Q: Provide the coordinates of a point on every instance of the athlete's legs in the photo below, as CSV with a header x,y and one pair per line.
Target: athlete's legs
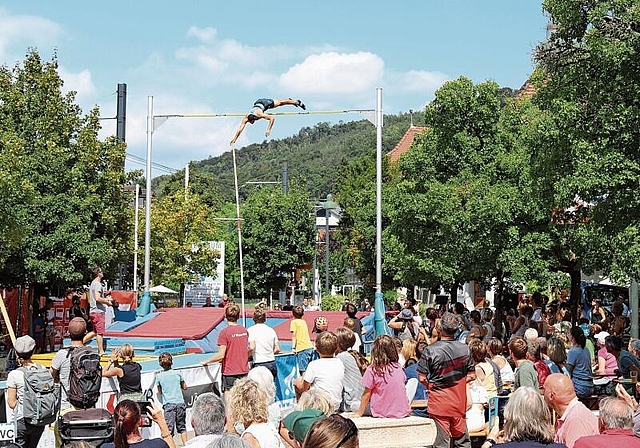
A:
x,y
289,102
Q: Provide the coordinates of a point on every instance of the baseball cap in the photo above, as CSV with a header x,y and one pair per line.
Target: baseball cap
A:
x,y
299,422
25,344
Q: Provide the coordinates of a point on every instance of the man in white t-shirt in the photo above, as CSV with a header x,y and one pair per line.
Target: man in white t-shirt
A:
x,y
98,302
263,343
326,373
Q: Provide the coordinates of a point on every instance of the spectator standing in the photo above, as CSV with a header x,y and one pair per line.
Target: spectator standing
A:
x,y
351,311
615,420
38,331
263,343
128,374
49,332
207,420
98,302
224,301
61,362
525,374
27,435
574,418
445,368
207,303
170,385
300,339
233,353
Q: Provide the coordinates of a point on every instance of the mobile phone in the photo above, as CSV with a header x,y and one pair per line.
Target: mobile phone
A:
x,y
145,406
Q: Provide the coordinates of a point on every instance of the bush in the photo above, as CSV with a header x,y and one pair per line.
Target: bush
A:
x,y
332,303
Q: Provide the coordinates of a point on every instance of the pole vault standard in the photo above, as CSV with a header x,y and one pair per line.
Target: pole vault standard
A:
x,y
372,115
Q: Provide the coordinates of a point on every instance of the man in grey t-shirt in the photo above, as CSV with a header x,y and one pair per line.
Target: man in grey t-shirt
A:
x,y
61,363
98,306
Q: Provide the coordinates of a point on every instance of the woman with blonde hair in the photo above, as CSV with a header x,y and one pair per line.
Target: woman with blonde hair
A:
x,y
409,352
527,422
332,432
248,407
128,373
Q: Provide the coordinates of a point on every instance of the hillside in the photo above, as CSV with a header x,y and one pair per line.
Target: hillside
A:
x,y
314,156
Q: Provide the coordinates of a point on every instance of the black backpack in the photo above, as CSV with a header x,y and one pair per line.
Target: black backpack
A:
x,y
85,377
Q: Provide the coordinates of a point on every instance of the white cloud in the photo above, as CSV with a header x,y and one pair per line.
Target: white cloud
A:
x,y
420,80
23,31
331,73
80,82
203,34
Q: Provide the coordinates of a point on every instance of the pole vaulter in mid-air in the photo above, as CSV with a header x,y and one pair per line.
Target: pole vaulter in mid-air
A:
x,y
258,111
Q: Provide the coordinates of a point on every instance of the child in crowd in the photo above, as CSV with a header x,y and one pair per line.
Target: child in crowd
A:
x,y
384,394
351,325
525,374
300,340
325,373
352,376
170,386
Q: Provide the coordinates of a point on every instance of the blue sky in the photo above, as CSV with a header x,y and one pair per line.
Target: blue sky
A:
x,y
219,56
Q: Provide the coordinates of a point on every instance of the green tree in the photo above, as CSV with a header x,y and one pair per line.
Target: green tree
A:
x,y
79,216
278,236
586,155
180,229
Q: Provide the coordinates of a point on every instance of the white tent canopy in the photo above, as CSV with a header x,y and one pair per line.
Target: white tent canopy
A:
x,y
162,289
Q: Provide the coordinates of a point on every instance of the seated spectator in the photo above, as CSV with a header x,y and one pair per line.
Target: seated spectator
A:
x,y
325,373
494,350
312,405
127,427
615,420
607,363
484,370
525,374
412,372
626,361
384,394
248,407
264,378
534,355
352,386
409,352
351,325
579,364
230,441
631,401
557,356
530,335
207,420
476,401
361,360
332,432
527,423
574,419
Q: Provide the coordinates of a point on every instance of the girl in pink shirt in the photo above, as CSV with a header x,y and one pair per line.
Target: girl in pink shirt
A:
x,y
384,394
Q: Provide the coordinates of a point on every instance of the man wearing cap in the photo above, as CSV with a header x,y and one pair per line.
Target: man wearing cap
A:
x,y
27,435
403,325
626,361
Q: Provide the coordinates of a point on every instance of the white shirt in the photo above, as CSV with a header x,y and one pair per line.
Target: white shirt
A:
x,y
15,380
265,339
356,345
327,375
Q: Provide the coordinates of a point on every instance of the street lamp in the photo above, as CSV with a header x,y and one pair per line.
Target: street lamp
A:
x,y
327,205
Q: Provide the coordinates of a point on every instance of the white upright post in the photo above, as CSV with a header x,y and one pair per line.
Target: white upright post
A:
x,y
135,240
379,320
147,224
235,178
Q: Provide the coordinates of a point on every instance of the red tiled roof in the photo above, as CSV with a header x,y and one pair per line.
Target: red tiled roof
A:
x,y
405,142
527,90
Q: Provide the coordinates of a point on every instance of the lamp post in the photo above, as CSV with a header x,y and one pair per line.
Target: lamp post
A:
x,y
327,205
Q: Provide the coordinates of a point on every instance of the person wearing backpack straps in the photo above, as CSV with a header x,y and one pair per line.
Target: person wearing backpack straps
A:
x,y
31,395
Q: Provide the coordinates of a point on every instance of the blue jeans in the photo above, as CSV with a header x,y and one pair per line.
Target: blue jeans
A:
x,y
304,358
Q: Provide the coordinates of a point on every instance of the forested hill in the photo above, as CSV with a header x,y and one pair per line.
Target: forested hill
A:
x,y
315,157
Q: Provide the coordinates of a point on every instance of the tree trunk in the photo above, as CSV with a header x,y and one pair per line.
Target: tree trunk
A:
x,y
575,294
497,301
453,292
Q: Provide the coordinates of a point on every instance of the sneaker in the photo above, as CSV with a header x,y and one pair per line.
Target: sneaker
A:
x,y
301,105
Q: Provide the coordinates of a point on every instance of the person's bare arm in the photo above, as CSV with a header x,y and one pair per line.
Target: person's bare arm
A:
x,y
183,385
217,357
276,347
243,123
272,121
364,401
12,397
252,441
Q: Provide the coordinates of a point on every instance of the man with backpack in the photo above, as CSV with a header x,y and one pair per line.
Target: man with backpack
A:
x,y
77,369
31,394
